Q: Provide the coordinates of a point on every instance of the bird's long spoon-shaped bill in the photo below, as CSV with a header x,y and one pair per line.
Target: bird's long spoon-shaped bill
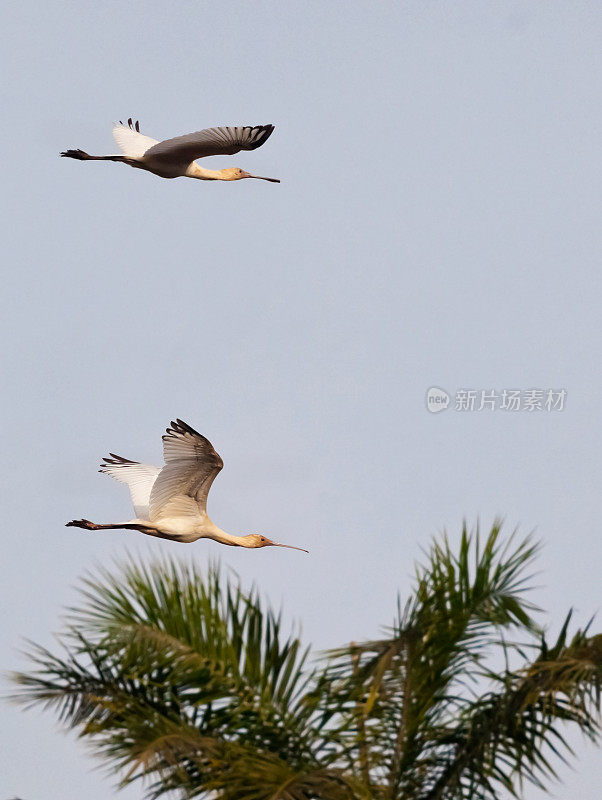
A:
x,y
261,178
290,546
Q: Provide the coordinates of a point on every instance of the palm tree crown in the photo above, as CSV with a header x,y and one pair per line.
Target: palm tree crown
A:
x,y
186,680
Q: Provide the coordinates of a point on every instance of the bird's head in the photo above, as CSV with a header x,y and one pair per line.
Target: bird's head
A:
x,y
237,174
257,540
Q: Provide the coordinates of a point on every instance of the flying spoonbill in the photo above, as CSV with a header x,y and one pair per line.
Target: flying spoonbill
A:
x,y
175,158
171,502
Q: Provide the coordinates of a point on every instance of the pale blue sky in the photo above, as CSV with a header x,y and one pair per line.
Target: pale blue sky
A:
x,y
438,223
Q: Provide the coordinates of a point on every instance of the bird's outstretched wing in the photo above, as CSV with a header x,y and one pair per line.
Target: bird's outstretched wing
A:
x,y
139,478
191,465
129,139
209,142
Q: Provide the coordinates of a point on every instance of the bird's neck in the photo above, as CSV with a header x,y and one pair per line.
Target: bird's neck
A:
x,y
194,171
218,535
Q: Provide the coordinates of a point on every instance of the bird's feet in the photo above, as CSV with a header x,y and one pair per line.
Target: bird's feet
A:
x,y
78,155
81,523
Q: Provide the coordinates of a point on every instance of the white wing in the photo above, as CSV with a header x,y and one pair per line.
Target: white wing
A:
x,y
209,142
129,139
191,465
139,478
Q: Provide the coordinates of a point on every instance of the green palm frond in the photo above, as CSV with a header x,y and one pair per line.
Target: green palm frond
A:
x,y
180,677
157,655
408,683
174,612
505,734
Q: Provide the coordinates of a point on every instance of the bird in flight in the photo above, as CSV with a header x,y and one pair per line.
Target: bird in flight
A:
x,y
171,502
175,158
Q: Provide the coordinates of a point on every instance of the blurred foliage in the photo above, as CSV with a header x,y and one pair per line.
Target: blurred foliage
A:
x,y
182,678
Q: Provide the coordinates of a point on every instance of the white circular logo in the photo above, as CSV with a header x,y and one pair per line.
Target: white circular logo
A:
x,y
437,399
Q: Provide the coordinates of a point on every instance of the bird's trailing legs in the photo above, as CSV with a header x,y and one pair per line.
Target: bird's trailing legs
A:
x,y
90,526
131,526
81,155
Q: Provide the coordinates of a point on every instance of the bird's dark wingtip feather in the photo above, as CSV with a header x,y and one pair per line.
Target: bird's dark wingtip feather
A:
x,y
187,428
113,460
179,427
264,133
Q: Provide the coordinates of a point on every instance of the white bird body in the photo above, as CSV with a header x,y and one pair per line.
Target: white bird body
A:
x,y
186,529
171,502
175,158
